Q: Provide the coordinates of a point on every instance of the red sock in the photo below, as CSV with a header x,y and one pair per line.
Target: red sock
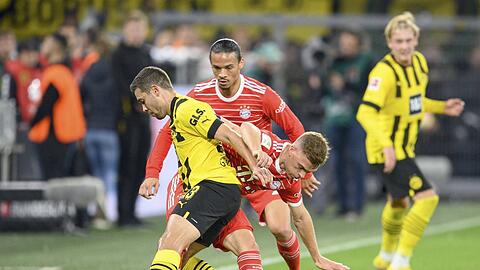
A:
x,y
290,252
249,260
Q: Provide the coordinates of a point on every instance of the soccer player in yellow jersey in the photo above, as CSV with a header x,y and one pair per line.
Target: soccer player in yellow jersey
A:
x,y
212,195
393,106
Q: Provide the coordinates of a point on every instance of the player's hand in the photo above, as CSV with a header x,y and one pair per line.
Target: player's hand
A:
x,y
327,264
262,174
263,159
149,188
309,185
454,107
390,159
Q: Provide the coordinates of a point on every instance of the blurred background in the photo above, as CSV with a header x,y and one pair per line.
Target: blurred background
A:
x,y
299,47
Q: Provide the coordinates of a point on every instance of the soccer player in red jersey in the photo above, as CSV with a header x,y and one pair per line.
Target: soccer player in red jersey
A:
x,y
288,163
239,99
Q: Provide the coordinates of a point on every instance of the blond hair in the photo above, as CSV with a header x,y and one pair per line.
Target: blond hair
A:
x,y
402,21
315,146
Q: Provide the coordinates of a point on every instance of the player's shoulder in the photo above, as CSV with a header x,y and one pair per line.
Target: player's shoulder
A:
x,y
205,86
186,104
422,59
384,68
255,85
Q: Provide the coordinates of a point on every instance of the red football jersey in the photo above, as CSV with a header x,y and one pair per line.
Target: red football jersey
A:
x,y
288,189
254,102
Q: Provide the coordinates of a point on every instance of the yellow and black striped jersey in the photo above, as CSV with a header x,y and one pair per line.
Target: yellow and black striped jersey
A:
x,y
393,106
201,157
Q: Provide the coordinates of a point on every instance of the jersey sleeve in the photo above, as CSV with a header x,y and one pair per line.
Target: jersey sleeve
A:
x,y
381,82
276,108
434,106
159,152
201,119
293,194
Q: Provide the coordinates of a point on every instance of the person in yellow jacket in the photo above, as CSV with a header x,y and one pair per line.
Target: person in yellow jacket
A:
x,y
59,120
393,106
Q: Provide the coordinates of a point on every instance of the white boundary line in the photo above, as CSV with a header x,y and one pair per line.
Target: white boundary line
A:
x,y
363,242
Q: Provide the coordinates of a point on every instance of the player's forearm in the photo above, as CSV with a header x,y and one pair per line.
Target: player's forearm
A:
x,y
304,224
235,140
434,106
370,120
159,152
251,136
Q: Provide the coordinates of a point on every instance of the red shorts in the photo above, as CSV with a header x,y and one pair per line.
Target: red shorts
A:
x,y
239,221
260,199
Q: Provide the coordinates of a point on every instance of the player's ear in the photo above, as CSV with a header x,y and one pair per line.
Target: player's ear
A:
x,y
241,63
155,90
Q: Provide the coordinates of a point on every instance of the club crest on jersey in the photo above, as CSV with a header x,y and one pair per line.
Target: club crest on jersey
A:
x,y
275,184
245,112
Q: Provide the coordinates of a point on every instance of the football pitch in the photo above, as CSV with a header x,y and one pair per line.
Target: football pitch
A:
x,y
451,242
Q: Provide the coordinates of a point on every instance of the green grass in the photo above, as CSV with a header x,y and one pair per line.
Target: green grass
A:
x,y
442,248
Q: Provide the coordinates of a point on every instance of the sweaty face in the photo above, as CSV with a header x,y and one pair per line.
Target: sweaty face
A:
x,y
402,44
226,68
151,103
296,163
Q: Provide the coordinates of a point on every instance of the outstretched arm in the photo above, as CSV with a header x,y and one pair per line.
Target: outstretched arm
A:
x,y
159,152
229,136
304,224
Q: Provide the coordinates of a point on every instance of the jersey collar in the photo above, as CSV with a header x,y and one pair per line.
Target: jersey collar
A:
x,y
234,97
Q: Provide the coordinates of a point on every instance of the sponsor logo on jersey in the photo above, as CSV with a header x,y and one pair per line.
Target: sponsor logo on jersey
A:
x,y
245,112
416,104
281,107
374,83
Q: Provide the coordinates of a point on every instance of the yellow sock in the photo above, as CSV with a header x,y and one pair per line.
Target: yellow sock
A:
x,y
166,259
392,219
197,264
415,224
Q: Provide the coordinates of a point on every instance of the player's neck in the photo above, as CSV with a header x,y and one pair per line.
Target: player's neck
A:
x,y
232,90
169,98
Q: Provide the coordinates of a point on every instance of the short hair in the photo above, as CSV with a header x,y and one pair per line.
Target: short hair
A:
x,y
149,76
136,16
315,146
61,40
402,21
226,45
31,44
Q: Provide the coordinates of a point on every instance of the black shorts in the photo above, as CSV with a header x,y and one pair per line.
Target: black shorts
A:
x,y
406,179
209,206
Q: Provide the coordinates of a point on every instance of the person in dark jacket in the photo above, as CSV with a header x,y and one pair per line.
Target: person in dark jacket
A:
x,y
101,107
134,127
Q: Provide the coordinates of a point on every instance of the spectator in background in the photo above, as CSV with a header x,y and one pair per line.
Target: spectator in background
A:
x,y
101,105
163,52
128,59
26,73
59,120
7,52
69,29
25,86
346,82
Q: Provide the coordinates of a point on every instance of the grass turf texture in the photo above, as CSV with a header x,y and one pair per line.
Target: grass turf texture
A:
x,y
134,248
